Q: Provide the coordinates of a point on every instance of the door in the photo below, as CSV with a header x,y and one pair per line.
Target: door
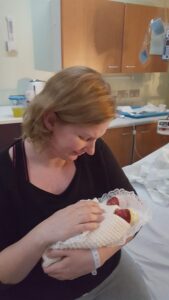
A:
x,y
120,141
147,140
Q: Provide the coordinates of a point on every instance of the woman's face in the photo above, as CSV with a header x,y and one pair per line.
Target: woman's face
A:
x,y
70,141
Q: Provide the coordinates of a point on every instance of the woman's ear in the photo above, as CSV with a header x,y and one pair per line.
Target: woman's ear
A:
x,y
49,119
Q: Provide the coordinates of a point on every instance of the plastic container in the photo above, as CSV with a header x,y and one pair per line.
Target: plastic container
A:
x,y
34,87
18,103
157,26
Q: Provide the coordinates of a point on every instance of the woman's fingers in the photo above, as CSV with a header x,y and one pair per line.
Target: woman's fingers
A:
x,y
87,227
88,215
53,253
84,215
89,212
91,205
74,263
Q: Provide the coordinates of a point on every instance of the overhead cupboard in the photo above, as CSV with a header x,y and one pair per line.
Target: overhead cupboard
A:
x,y
102,34
136,35
92,34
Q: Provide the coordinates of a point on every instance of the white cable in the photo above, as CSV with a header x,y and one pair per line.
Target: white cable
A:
x,y
96,259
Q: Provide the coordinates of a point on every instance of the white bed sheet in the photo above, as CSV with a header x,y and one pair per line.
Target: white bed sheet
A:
x,y
150,248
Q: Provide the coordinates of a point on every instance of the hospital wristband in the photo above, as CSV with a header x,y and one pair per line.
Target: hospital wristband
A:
x,y
96,259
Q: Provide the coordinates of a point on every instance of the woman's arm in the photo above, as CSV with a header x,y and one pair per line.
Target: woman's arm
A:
x,y
17,260
106,252
76,263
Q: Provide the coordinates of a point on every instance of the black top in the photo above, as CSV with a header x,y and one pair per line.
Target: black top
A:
x,y
23,206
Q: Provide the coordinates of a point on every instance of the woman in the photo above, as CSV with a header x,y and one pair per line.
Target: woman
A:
x,y
59,161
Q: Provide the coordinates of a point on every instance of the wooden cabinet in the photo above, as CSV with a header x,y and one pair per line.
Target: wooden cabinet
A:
x,y
92,33
8,134
147,140
107,35
136,24
120,141
132,143
102,34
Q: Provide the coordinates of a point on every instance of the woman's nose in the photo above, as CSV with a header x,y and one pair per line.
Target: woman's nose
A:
x,y
90,148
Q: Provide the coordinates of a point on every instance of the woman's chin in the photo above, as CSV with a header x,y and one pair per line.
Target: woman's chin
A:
x,y
71,157
74,156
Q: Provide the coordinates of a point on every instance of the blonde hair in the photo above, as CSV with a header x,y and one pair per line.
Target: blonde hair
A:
x,y
78,95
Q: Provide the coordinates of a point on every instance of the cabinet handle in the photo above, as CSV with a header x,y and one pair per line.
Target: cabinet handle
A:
x,y
144,131
129,67
113,67
127,133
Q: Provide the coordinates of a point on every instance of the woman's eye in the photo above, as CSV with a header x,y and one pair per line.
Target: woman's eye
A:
x,y
82,138
86,139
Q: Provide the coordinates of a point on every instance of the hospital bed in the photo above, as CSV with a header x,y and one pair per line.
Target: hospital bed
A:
x,y
150,248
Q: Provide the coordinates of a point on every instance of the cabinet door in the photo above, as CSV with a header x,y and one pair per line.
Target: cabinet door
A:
x,y
147,140
92,33
137,19
120,141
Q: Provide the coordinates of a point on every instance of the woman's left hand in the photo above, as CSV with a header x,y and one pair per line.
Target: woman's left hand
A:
x,y
74,263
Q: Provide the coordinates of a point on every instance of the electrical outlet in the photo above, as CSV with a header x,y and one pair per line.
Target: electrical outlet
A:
x,y
134,93
122,94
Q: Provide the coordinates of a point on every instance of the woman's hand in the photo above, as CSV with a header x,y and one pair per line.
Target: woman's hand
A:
x,y
18,259
74,219
76,263
73,264
106,252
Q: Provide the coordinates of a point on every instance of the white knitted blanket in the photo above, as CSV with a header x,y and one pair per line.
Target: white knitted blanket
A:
x,y
113,230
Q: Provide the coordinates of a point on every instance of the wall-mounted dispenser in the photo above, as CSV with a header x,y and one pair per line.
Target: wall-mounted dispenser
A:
x,y
10,42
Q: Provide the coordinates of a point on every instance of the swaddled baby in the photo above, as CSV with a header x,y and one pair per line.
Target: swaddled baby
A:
x,y
113,230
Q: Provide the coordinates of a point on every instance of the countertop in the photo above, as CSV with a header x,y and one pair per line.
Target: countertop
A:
x,y
6,117
126,122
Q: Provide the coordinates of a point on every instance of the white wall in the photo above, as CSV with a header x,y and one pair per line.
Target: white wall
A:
x,y
15,71
152,87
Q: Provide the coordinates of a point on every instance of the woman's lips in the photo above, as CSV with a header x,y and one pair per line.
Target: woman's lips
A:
x,y
78,153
